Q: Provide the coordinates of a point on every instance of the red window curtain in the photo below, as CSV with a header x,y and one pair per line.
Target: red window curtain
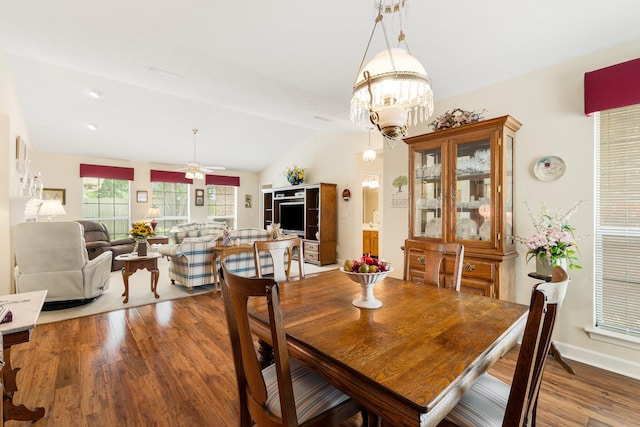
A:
x,y
166,176
233,181
108,172
612,87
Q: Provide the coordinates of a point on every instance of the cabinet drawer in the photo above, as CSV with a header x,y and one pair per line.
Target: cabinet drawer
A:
x,y
310,247
479,288
474,269
311,256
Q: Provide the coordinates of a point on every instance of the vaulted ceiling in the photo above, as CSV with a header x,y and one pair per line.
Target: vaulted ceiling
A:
x,y
256,77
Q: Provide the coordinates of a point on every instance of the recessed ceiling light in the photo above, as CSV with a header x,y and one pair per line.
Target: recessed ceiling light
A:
x,y
92,126
95,94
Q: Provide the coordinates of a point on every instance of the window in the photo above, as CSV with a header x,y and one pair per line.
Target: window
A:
x,y
172,198
107,201
618,220
221,204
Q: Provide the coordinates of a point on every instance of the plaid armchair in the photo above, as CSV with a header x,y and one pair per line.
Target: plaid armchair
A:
x,y
191,261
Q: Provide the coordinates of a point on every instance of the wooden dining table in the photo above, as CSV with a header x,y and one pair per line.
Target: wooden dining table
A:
x,y
408,361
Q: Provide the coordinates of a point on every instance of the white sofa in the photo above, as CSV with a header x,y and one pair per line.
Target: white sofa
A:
x,y
53,256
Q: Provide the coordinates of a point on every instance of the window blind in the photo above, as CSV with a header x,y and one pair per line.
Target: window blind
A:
x,y
618,220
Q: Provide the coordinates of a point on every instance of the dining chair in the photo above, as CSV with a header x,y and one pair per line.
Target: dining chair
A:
x,y
491,402
428,258
285,393
277,250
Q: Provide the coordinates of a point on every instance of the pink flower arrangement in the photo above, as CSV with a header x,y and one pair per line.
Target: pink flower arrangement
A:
x,y
554,237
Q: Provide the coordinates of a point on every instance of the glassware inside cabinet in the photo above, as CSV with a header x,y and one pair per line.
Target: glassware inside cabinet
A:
x,y
473,190
427,193
508,189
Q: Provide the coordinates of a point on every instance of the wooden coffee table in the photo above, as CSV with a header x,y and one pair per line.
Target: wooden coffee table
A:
x,y
133,263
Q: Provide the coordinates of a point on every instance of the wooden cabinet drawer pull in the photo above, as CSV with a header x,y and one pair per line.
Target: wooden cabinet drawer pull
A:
x,y
422,260
468,267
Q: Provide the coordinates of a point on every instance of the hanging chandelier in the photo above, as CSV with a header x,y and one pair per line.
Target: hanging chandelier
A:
x,y
369,154
392,91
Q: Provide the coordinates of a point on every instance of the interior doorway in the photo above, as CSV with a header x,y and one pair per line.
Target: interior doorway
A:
x,y
371,217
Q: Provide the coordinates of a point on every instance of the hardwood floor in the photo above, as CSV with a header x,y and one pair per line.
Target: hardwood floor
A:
x,y
169,364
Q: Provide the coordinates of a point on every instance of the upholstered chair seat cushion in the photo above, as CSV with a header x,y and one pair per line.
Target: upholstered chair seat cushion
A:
x,y
312,394
483,405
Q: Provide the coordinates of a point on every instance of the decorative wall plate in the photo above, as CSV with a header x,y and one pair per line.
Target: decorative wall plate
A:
x,y
549,168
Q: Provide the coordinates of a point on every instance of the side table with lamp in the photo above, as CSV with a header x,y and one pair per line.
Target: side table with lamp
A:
x,y
153,213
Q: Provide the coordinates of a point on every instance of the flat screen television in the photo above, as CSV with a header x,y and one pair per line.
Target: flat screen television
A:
x,y
291,215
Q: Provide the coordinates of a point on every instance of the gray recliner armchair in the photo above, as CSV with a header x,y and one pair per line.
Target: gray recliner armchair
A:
x,y
99,241
53,256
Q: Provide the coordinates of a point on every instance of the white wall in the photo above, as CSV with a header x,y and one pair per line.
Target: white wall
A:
x,y
12,124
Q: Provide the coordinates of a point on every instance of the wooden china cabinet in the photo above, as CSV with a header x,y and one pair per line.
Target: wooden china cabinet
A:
x,y
461,190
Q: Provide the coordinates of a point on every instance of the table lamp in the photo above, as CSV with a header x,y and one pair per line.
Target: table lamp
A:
x,y
153,213
51,209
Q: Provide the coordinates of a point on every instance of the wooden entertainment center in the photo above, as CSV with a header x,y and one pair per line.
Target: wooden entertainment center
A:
x,y
310,211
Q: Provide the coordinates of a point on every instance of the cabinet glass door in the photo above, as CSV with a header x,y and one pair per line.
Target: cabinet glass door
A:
x,y
427,193
473,191
508,189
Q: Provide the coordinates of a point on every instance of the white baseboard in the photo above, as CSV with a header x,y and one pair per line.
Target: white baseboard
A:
x,y
599,360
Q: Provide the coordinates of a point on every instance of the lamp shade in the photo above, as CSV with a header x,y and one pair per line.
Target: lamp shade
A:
x,y
51,208
153,212
397,79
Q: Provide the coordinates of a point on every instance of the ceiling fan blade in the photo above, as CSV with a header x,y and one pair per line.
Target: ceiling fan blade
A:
x,y
213,168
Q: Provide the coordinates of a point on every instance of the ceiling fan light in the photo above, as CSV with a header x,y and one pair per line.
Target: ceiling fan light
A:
x,y
188,175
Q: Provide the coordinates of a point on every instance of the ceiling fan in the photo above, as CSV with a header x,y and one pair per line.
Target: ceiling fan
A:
x,y
194,169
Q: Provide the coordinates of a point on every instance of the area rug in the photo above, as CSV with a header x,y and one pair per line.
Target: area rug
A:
x,y
140,292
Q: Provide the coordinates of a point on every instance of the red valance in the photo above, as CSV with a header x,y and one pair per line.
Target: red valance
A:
x,y
233,181
612,87
167,176
109,172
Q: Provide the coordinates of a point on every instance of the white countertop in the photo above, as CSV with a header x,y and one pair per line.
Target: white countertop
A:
x,y
367,227
25,308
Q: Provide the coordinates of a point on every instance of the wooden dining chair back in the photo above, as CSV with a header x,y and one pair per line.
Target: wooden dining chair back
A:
x,y
424,260
285,393
490,402
281,263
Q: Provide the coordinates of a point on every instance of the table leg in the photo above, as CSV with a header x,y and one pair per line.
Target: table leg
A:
x,y
155,274
556,355
215,274
11,410
125,279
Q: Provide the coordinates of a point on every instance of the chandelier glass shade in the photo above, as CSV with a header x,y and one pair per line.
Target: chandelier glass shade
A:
x,y
392,91
369,154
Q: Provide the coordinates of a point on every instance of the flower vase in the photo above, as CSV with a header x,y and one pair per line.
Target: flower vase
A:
x,y
544,268
140,247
